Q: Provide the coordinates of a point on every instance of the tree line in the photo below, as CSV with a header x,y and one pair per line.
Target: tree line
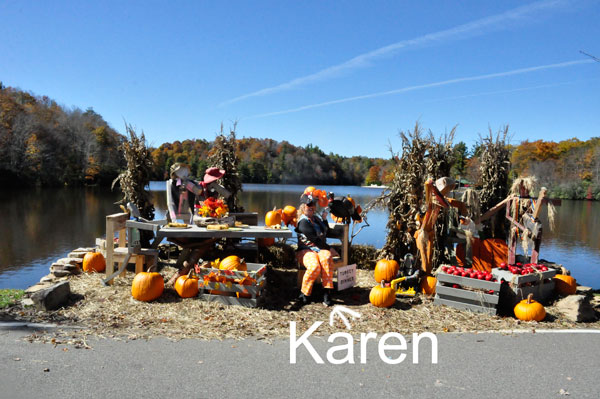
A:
x,y
44,143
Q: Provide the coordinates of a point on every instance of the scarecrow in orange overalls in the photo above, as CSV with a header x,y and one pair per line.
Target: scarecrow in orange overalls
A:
x,y
435,194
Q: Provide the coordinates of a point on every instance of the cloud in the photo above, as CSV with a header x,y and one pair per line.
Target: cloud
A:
x,y
429,85
471,29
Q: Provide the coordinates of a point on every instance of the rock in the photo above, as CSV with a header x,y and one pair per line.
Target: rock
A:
x,y
48,278
60,273
576,308
67,261
27,302
57,266
53,297
76,255
582,290
37,287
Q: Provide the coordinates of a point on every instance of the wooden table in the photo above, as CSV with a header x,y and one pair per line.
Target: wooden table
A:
x,y
192,232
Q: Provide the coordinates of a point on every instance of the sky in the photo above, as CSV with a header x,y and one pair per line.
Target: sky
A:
x,y
346,76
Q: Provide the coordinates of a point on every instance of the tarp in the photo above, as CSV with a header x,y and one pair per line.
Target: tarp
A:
x,y
487,253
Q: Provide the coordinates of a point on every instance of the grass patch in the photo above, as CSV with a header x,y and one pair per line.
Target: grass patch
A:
x,y
10,297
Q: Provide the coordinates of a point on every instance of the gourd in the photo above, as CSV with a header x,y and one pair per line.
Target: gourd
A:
x,y
273,218
147,286
428,285
94,262
233,262
565,284
529,309
187,285
386,270
382,296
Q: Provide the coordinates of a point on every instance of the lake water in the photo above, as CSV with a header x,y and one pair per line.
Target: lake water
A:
x,y
41,225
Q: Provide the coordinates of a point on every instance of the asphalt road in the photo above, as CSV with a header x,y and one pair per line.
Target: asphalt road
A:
x,y
523,365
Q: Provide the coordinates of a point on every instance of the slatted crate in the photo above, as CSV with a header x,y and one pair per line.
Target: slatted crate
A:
x,y
472,295
230,292
540,284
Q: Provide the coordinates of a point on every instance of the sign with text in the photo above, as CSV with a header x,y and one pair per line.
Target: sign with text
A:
x,y
346,277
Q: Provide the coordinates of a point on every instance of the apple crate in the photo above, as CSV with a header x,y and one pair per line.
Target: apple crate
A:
x,y
474,295
540,284
230,292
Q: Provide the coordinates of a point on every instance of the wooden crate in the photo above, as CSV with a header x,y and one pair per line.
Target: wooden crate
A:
x,y
230,291
540,284
473,294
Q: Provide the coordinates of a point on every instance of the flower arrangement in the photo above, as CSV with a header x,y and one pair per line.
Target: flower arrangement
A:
x,y
213,207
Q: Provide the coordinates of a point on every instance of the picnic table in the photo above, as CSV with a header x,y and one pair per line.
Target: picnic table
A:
x,y
191,233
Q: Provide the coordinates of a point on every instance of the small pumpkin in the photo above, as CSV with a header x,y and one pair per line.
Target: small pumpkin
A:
x,y
382,296
273,218
147,286
565,284
309,190
187,285
288,214
386,270
94,262
428,285
266,242
529,309
233,262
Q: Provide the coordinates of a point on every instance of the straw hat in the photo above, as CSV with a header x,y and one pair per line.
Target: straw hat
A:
x,y
179,170
445,185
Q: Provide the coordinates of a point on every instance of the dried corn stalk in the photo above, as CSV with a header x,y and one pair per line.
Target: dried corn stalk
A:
x,y
223,155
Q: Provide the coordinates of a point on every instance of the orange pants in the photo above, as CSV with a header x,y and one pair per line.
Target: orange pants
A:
x,y
317,264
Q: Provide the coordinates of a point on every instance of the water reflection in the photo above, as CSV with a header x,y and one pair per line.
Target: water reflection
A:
x,y
38,226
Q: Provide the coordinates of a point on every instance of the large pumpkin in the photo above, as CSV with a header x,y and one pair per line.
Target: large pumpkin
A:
x,y
187,285
233,262
147,286
382,296
565,284
273,218
529,309
428,285
386,270
94,262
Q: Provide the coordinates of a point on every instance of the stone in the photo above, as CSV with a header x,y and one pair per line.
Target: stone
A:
x,y
576,308
48,278
67,261
57,266
60,273
27,302
37,287
76,255
583,290
53,297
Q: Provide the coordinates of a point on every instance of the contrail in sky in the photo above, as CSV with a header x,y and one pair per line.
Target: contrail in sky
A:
x,y
429,85
474,28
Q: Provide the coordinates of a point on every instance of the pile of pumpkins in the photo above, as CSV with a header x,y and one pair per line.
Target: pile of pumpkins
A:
x,y
384,294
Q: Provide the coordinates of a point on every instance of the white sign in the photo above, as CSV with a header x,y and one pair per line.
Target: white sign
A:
x,y
346,277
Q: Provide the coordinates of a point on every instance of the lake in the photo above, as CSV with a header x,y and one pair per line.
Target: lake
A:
x,y
38,226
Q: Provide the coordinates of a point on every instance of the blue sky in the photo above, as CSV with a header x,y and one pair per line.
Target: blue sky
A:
x,y
343,75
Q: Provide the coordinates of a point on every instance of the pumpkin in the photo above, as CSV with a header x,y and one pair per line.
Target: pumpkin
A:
x,y
351,201
288,214
187,286
273,218
266,242
428,285
382,296
233,262
565,284
529,309
94,262
386,270
147,286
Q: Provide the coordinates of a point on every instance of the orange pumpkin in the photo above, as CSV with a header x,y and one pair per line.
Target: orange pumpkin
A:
x,y
94,262
266,242
386,270
351,201
309,190
382,296
273,218
565,284
233,262
288,214
428,285
147,286
187,286
529,309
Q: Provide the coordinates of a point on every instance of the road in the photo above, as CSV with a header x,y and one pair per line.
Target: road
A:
x,y
519,365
